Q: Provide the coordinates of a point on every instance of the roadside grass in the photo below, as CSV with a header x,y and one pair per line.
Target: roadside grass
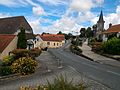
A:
x,y
59,83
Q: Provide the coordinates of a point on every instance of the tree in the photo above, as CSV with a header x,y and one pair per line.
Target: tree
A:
x,y
22,42
89,32
60,32
82,32
94,27
68,36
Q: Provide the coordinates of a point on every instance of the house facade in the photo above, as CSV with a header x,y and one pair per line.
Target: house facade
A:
x,y
111,31
12,25
49,40
7,44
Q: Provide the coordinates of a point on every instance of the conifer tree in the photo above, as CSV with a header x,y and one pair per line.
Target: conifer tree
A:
x,y
22,42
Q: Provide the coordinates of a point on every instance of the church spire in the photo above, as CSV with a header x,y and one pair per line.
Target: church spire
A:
x,y
101,17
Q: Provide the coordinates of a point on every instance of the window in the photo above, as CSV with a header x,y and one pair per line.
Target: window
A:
x,y
37,39
35,42
57,44
54,44
48,43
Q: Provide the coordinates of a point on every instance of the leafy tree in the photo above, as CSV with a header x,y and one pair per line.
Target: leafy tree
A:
x,y
68,36
22,41
89,32
44,33
82,32
60,32
94,26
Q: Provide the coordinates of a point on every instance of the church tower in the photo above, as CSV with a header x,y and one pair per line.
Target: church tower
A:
x,y
100,23
100,26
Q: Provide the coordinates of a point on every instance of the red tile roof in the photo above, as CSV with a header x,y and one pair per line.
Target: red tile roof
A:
x,y
113,29
52,37
5,41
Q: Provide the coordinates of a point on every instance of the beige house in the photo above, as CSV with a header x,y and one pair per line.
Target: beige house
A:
x,y
39,43
7,44
49,40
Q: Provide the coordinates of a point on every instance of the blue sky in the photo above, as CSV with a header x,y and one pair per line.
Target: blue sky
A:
x,y
67,16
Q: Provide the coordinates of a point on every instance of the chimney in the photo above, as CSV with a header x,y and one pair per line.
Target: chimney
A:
x,y
110,25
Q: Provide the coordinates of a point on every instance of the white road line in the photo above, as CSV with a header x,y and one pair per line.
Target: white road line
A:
x,y
113,72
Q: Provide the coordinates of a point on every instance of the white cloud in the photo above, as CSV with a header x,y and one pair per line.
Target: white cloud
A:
x,y
99,1
85,5
65,24
2,15
85,17
54,2
81,5
38,10
17,3
8,3
35,24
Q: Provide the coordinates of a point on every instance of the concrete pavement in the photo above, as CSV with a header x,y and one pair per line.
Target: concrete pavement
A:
x,y
98,58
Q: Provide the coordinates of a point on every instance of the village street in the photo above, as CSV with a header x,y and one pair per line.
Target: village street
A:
x,y
107,75
49,62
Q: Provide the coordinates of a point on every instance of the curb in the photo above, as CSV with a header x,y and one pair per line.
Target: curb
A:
x,y
8,76
87,57
110,57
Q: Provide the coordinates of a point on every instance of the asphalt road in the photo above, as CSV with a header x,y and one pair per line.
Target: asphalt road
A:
x,y
107,75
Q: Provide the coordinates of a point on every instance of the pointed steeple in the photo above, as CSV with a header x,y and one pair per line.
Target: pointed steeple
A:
x,y
101,17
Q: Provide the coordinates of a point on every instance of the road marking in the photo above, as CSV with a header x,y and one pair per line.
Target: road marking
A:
x,y
113,72
72,68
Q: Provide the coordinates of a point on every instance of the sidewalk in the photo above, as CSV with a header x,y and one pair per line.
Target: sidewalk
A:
x,y
98,58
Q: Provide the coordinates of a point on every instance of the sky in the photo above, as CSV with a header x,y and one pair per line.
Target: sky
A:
x,y
68,16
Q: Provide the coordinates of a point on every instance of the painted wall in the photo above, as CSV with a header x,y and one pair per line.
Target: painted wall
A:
x,y
39,43
53,44
12,45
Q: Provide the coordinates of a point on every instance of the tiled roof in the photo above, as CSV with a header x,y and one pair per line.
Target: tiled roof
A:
x,y
10,25
113,29
5,41
30,36
52,37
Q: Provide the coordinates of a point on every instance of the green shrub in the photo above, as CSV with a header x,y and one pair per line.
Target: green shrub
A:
x,y
112,46
75,49
8,60
91,41
60,83
73,42
20,53
35,52
5,70
25,53
96,47
24,66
